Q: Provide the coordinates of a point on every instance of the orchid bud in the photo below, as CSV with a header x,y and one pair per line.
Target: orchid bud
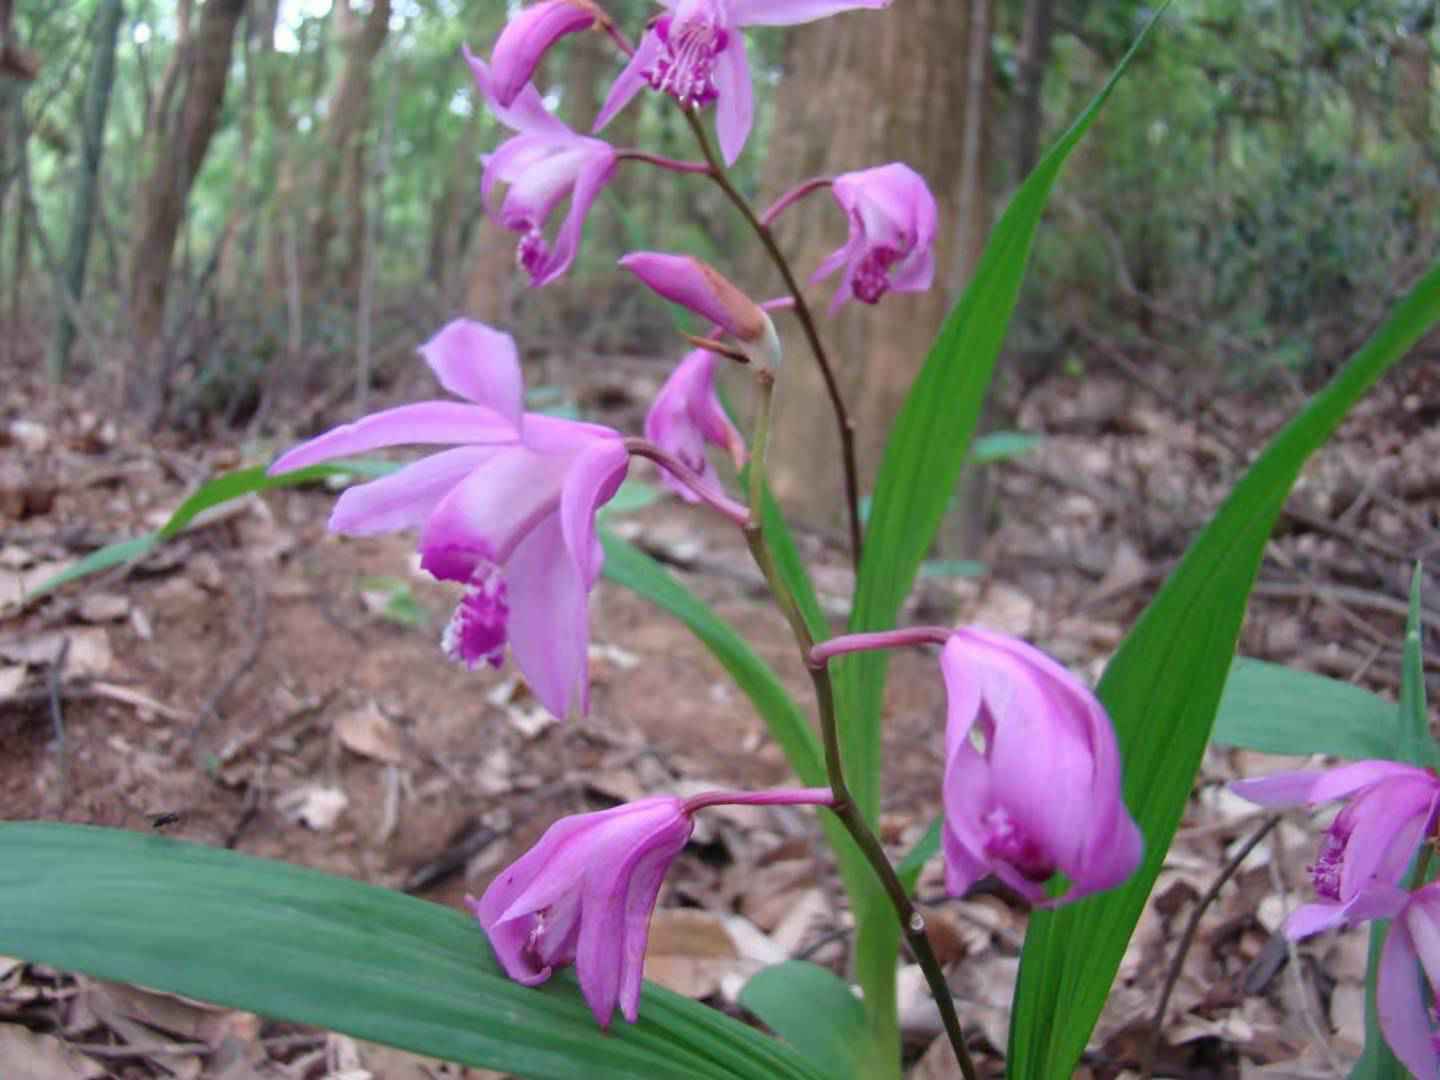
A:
x,y
704,290
526,38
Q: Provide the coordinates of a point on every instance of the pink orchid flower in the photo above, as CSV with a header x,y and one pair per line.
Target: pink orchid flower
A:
x,y
1410,1026
892,234
584,894
543,164
1043,793
695,52
686,416
1371,841
528,35
510,511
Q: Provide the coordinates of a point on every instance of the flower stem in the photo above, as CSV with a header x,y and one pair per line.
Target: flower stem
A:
x,y
880,639
727,506
912,923
807,323
794,195
662,162
775,797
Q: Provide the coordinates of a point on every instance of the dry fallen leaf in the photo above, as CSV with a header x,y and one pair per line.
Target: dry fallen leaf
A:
x,y
28,1056
103,607
89,653
690,951
370,733
313,805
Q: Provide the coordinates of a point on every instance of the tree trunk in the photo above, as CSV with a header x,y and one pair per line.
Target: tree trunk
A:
x,y
176,148
342,154
1034,60
82,218
861,90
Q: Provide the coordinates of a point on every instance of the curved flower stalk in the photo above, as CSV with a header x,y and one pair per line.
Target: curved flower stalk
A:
x,y
686,416
695,52
892,234
584,894
524,40
509,512
543,163
1371,841
1043,793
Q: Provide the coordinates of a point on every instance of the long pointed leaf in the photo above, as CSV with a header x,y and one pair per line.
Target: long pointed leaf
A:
x,y
297,944
1162,690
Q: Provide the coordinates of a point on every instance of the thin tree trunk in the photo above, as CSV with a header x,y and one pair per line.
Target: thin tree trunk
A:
x,y
860,90
341,159
97,107
1036,36
177,147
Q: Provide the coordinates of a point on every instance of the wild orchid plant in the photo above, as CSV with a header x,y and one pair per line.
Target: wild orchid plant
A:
x,y
1032,772
1032,788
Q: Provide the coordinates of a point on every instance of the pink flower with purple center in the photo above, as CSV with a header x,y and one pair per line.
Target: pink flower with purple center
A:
x,y
509,512
1370,842
544,164
1032,774
695,52
584,894
892,234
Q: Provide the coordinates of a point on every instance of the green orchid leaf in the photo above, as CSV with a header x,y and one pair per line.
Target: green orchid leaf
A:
x,y
299,945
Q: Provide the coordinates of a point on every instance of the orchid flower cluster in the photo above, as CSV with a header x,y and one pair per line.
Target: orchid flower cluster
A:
x,y
1391,814
507,510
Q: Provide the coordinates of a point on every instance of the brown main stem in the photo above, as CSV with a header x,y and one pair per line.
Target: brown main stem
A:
x,y
912,924
807,324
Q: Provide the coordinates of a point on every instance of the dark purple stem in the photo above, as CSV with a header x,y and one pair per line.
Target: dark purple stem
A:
x,y
727,506
793,196
881,639
815,796
659,161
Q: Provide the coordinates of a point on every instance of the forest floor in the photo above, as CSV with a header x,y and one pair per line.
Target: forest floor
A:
x,y
262,685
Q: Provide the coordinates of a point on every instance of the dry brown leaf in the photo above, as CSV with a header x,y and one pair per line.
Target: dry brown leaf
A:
x,y
388,1063
690,951
315,806
89,653
28,1056
103,607
12,677
370,733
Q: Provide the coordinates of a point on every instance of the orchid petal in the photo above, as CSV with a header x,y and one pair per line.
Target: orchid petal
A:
x,y
587,187
404,499
428,422
489,513
1319,785
629,82
1399,1000
480,364
735,107
593,478
526,111
795,12
549,620
525,40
